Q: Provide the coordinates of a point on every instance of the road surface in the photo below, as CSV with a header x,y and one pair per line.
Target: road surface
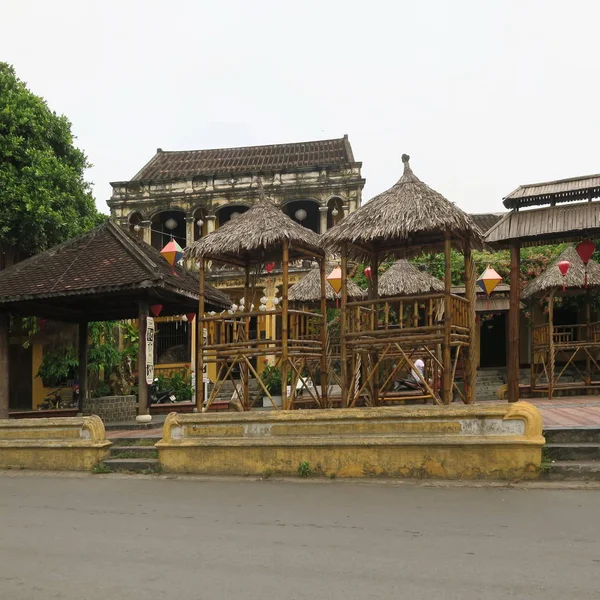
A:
x,y
109,538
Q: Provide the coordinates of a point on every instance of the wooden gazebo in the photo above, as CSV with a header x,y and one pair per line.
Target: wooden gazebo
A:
x,y
103,275
408,219
262,235
542,213
404,279
558,350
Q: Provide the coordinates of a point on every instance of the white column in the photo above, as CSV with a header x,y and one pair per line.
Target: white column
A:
x,y
147,237
189,231
210,223
323,212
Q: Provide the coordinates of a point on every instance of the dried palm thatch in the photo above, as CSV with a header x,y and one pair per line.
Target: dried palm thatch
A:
x,y
404,279
308,289
256,236
552,278
410,216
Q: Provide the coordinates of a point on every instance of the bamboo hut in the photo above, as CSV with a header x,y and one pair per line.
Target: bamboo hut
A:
x,y
232,340
565,210
558,350
407,219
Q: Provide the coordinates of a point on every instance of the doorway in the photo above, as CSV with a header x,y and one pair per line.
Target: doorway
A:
x,y
492,342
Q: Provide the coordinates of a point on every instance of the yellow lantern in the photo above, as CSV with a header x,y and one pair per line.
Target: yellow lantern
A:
x,y
335,279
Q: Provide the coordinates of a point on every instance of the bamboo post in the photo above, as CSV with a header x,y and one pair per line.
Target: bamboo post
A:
x,y
588,341
551,348
374,295
4,365
83,360
343,350
446,350
244,371
471,349
324,382
284,325
143,408
513,322
200,340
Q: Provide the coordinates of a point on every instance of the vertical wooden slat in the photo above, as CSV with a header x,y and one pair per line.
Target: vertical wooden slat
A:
x,y
513,322
200,341
551,347
374,295
446,350
244,371
324,382
284,325
346,383
471,350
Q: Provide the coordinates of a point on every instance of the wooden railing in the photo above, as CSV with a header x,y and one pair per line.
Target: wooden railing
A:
x,y
566,335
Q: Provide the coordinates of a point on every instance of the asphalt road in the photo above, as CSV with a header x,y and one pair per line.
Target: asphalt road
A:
x,y
110,539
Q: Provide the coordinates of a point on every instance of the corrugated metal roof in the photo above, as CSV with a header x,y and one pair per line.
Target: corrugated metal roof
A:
x,y
551,224
561,190
166,165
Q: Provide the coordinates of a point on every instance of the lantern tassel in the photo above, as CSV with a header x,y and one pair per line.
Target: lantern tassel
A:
x,y
585,278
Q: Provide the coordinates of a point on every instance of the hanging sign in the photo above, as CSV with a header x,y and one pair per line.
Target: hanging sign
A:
x,y
149,350
205,378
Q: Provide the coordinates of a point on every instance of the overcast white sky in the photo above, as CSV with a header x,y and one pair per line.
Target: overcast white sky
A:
x,y
484,95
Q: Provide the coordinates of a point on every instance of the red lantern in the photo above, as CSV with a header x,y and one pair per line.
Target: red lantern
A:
x,y
156,308
42,324
190,317
563,267
269,267
368,273
585,251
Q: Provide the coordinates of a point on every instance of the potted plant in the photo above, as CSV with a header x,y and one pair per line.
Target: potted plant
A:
x,y
271,378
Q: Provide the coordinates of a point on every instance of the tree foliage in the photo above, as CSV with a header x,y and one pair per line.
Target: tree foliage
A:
x,y
44,198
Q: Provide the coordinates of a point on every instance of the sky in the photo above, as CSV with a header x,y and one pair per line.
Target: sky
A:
x,y
483,95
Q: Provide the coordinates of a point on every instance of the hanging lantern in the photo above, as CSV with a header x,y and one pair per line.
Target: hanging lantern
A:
x,y
42,324
190,316
563,267
585,250
184,318
335,279
488,281
171,224
156,308
172,252
269,267
300,214
368,273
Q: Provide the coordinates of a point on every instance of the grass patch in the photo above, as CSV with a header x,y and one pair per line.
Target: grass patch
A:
x,y
304,469
101,469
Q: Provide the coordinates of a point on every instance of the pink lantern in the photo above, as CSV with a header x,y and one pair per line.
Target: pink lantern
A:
x,y
585,250
368,273
563,267
269,267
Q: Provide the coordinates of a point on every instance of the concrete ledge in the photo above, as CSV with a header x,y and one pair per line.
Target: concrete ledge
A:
x,y
502,441
67,443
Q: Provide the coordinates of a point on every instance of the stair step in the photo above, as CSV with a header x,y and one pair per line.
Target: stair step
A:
x,y
132,464
572,436
573,451
573,470
133,452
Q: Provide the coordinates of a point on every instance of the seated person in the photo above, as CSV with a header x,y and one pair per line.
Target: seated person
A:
x,y
415,380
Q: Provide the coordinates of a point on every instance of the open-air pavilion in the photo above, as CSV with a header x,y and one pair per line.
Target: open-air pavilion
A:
x,y
103,275
552,212
291,340
571,350
377,343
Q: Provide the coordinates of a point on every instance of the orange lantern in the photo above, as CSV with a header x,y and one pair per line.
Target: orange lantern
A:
x,y
488,281
335,279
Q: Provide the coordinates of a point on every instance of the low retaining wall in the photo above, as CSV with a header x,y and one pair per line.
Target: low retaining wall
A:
x,y
67,443
501,441
112,409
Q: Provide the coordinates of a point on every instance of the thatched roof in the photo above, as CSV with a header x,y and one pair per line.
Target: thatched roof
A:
x,y
410,216
552,278
404,279
256,236
308,289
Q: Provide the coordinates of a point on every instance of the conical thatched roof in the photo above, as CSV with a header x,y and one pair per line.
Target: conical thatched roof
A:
x,y
308,289
404,279
410,215
552,278
256,236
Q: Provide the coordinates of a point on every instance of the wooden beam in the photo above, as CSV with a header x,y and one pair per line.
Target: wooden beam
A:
x,y
324,284
374,295
446,348
4,365
83,363
513,321
346,383
143,407
200,340
284,324
471,351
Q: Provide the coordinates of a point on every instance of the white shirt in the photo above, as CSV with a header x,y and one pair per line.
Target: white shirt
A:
x,y
417,374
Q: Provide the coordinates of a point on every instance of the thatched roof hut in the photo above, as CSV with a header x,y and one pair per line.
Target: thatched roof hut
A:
x,y
552,278
404,279
410,216
308,289
256,237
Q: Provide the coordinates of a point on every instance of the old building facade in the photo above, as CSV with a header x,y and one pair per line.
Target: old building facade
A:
x,y
188,194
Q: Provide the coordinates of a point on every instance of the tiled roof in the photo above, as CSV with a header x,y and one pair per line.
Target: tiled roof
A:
x,y
486,221
167,165
103,261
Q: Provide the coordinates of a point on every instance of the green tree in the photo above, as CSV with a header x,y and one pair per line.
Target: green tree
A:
x,y
44,198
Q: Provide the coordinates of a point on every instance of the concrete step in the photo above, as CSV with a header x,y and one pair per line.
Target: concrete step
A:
x,y
572,470
130,425
142,441
133,464
572,436
133,452
573,451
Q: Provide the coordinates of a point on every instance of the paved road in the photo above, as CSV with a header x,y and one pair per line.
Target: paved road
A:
x,y
111,539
